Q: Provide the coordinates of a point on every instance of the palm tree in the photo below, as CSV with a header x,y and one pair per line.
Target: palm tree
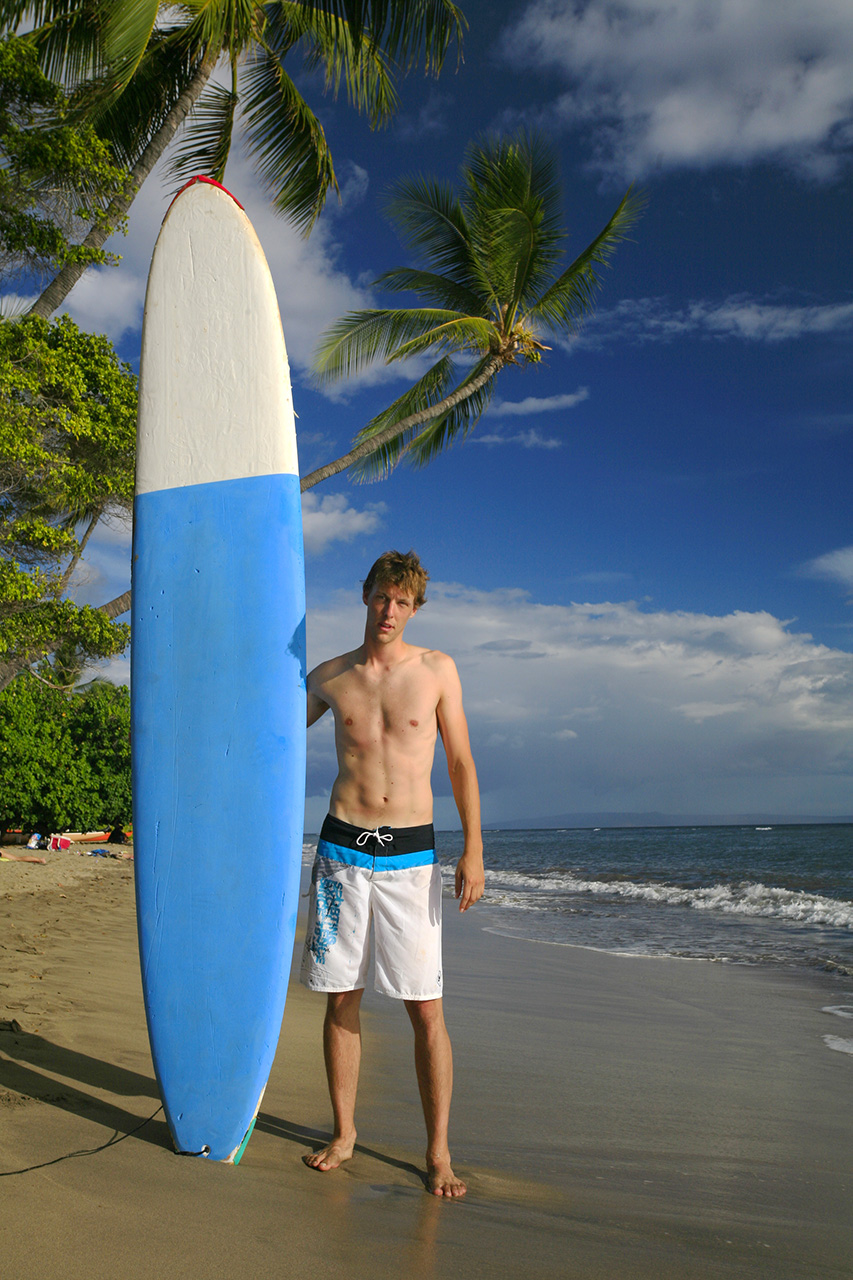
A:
x,y
142,67
490,291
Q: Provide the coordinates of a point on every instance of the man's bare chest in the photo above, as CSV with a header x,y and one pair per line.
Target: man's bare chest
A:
x,y
402,709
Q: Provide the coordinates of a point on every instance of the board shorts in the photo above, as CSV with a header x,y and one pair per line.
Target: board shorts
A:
x,y
390,876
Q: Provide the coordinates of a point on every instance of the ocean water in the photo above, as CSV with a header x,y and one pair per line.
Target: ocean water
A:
x,y
778,895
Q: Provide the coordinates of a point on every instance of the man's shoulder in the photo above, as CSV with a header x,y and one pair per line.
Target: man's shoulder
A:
x,y
435,658
333,667
439,664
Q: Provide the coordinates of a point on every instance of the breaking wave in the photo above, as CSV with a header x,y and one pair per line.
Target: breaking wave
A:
x,y
745,898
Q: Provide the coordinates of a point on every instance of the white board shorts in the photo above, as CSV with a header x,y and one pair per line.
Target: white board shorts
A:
x,y
390,876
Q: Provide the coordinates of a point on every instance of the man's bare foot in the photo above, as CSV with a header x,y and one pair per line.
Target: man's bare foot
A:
x,y
442,1181
332,1156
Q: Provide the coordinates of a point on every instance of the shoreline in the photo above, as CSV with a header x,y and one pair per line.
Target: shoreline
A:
x,y
614,1120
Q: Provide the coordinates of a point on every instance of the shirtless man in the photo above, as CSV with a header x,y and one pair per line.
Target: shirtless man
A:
x,y
376,853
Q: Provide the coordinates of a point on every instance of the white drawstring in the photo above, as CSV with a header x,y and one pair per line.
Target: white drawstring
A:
x,y
377,835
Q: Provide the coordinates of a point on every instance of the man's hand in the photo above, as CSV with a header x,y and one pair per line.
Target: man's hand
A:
x,y
470,879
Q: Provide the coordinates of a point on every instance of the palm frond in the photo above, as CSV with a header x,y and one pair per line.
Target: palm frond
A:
x,y
420,30
127,29
14,12
287,141
207,136
518,172
132,120
455,333
430,221
229,27
512,201
438,289
329,44
569,299
68,35
363,337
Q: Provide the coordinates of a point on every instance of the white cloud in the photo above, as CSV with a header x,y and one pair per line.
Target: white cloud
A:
x,y
354,182
836,566
534,404
104,572
624,709
601,577
739,316
699,82
770,322
530,439
108,300
331,519
433,117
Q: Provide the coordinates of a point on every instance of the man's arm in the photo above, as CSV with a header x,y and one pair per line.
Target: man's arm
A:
x,y
316,706
453,727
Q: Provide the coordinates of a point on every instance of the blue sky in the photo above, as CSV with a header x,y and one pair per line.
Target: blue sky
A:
x,y
642,560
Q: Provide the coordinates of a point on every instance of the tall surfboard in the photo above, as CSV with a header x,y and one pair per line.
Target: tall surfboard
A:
x,y
218,671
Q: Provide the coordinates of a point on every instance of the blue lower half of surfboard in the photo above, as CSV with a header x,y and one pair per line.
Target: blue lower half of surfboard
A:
x,y
218,698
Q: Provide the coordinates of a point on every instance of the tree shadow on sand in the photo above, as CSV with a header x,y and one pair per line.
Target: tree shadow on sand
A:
x,y
21,1054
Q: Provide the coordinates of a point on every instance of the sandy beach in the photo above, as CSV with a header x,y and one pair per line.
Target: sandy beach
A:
x,y
615,1118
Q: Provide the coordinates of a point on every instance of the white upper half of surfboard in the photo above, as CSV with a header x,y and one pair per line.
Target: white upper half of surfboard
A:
x,y
215,401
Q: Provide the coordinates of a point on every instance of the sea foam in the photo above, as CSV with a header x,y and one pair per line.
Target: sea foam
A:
x,y
747,898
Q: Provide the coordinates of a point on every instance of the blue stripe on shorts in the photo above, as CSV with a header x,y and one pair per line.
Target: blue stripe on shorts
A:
x,y
385,862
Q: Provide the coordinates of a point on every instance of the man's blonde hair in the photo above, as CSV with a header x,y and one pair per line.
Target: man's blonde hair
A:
x,y
399,569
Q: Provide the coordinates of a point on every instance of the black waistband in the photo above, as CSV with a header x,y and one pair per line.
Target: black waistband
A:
x,y
375,841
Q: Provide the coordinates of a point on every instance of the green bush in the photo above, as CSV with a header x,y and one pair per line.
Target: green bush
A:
x,y
64,757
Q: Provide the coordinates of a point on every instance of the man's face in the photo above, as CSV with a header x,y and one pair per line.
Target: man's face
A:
x,y
389,608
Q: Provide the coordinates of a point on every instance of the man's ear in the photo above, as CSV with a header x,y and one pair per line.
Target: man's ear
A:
x,y
364,594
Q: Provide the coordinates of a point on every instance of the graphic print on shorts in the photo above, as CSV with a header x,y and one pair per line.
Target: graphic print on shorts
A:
x,y
329,896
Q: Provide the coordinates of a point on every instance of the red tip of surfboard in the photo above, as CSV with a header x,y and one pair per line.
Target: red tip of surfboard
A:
x,y
200,177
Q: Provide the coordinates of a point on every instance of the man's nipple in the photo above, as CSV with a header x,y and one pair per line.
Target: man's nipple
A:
x,y
348,720
413,723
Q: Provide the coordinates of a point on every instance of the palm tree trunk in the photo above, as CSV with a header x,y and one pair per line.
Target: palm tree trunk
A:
x,y
81,547
115,608
62,284
397,428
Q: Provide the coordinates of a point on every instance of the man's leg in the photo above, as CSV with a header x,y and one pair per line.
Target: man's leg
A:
x,y
434,1066
342,1051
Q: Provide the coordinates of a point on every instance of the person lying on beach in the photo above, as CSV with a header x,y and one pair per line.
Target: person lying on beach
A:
x,y
376,853
21,857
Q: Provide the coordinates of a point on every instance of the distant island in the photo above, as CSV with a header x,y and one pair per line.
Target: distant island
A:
x,y
561,820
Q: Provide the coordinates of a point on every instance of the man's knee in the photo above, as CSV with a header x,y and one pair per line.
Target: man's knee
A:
x,y
427,1016
342,1007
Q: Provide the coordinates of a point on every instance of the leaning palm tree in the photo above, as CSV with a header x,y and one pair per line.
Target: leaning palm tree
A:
x,y
141,67
490,289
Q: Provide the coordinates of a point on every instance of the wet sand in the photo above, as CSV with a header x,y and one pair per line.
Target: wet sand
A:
x,y
615,1118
